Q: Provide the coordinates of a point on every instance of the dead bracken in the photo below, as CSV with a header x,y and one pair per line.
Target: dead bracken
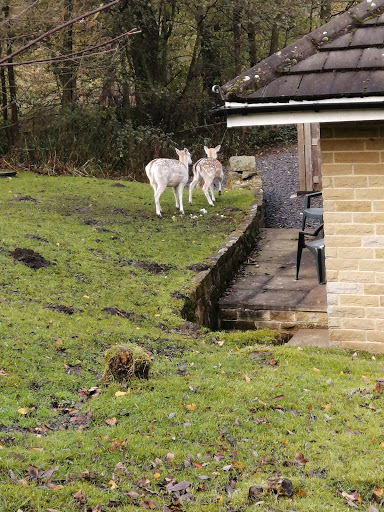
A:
x,y
122,363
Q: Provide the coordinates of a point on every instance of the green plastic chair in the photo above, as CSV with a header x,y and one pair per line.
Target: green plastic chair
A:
x,y
316,246
309,212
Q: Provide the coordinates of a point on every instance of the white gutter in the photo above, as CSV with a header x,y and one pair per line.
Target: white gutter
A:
x,y
294,112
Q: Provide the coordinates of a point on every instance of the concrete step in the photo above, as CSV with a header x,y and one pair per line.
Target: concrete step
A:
x,y
310,338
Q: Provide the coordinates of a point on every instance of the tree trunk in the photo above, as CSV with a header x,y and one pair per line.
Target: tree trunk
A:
x,y
13,129
325,9
252,43
68,72
237,12
274,46
4,100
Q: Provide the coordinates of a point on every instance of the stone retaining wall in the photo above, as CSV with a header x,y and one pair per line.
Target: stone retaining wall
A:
x,y
202,304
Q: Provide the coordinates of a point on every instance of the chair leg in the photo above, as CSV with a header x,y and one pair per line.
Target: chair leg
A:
x,y
299,251
303,223
320,265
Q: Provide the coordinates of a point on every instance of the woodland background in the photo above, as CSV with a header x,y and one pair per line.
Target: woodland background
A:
x,y
83,100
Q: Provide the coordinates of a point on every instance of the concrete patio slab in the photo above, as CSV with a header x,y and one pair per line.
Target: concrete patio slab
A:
x,y
267,282
310,338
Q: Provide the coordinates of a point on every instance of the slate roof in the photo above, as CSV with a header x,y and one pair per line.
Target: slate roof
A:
x,y
343,58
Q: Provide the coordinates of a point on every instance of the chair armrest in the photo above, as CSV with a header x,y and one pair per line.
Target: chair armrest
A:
x,y
308,197
315,233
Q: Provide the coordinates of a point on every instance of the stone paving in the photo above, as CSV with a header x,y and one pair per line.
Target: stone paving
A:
x,y
265,292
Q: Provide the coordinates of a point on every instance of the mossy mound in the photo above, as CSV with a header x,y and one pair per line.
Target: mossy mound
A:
x,y
122,363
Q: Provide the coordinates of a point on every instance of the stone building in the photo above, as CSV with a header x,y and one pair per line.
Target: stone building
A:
x,y
335,76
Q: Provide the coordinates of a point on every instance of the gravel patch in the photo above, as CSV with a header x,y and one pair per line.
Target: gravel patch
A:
x,y
279,170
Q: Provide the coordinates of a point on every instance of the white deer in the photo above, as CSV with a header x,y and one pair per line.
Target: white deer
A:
x,y
207,169
167,172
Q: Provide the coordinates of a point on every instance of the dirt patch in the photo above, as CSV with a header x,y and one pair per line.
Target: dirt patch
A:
x,y
60,308
189,329
124,314
29,258
90,222
118,185
35,237
25,198
151,266
179,295
231,209
198,267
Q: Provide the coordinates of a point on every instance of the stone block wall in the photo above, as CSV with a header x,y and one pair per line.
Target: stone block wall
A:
x,y
353,193
202,302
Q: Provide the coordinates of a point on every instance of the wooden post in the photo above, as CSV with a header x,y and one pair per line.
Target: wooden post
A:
x,y
300,145
308,138
316,156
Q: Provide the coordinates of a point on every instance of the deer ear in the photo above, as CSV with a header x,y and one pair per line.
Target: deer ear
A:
x,y
186,151
206,149
177,151
217,148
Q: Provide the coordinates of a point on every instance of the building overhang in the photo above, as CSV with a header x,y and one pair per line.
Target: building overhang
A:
x,y
306,111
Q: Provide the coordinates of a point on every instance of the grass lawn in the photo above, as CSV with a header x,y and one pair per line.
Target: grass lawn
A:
x,y
220,412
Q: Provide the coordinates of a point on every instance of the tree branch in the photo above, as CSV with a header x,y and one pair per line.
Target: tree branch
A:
x,y
7,20
56,29
68,56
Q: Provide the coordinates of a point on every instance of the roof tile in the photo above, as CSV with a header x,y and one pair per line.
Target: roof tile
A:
x,y
350,83
347,59
316,84
368,36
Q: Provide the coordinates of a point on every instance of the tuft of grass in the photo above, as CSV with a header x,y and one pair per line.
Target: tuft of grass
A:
x,y
222,411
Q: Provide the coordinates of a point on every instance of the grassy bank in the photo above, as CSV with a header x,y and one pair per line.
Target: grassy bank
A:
x,y
219,413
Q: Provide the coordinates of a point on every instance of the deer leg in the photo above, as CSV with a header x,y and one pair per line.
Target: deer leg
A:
x,y
212,192
206,187
159,191
175,193
192,186
220,184
180,189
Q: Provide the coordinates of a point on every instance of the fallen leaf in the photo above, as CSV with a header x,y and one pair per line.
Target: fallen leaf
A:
x,y
3,372
365,379
181,486
143,482
122,393
327,406
150,504
115,445
23,411
133,494
191,407
353,496
246,378
315,369
80,496
156,476
170,456
111,421
113,485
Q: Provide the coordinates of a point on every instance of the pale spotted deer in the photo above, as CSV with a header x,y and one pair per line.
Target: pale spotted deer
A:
x,y
167,172
207,169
